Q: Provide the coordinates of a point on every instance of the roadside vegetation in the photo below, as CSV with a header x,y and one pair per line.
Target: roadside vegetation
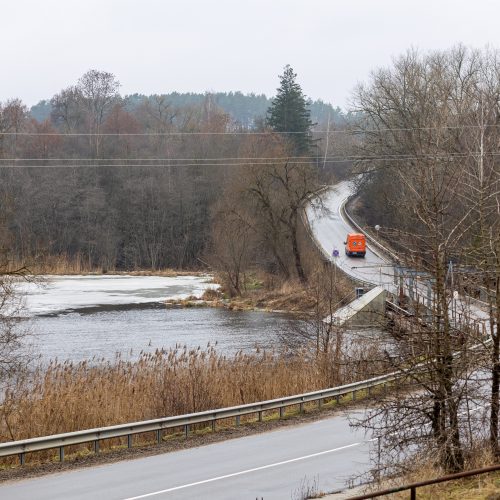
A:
x,y
65,396
480,487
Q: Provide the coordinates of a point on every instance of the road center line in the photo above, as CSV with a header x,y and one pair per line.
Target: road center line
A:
x,y
247,471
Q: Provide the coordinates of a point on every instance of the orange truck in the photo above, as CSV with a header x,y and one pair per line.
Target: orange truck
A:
x,y
355,244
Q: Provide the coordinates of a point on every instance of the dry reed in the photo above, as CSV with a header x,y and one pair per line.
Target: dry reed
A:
x,y
66,396
59,264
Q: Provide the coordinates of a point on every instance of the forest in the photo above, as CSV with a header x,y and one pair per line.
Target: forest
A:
x,y
138,182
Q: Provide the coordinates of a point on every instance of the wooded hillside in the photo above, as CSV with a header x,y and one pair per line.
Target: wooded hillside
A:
x,y
139,182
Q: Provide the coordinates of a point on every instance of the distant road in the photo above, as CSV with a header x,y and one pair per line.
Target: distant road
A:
x,y
330,230
269,466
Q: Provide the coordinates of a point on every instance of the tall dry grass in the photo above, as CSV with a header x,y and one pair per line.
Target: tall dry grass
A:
x,y
59,264
63,397
79,264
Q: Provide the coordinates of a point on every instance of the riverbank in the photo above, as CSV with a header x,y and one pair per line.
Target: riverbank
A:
x,y
289,298
266,293
260,292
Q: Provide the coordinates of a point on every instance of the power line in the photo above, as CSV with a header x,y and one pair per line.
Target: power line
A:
x,y
202,163
179,133
270,158
123,165
245,160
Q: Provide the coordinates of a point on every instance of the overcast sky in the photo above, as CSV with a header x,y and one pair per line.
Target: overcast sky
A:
x,y
160,46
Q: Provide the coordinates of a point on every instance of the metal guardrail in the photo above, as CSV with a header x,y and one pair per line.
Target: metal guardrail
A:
x,y
184,421
414,486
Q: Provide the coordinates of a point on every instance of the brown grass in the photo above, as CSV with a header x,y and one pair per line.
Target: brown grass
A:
x,y
267,292
67,397
482,487
59,264
79,264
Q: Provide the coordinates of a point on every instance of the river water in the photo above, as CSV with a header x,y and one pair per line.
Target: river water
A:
x,y
84,317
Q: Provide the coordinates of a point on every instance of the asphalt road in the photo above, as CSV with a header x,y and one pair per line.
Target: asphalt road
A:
x,y
272,465
330,229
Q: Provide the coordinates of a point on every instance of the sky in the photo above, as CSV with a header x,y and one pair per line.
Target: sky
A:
x,y
161,46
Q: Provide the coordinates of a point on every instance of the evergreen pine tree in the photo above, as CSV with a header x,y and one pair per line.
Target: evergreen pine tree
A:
x,y
289,112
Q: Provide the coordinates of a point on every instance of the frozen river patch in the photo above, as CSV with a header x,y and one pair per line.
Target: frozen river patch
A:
x,y
69,293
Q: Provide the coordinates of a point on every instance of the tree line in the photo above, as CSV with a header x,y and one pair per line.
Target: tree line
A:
x,y
125,186
246,110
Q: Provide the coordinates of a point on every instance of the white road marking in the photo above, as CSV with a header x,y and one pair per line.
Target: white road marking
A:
x,y
305,457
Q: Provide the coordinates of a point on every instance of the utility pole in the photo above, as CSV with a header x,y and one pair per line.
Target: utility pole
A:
x,y
327,140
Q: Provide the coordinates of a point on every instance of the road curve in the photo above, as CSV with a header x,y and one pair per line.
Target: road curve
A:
x,y
330,229
270,466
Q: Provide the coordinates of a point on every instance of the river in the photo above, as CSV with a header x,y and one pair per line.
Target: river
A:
x,y
84,317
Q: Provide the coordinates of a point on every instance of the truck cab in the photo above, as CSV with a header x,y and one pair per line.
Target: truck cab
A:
x,y
355,245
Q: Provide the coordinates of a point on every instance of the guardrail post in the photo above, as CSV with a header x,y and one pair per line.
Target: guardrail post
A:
x,y
320,403
96,446
237,420
301,408
260,416
413,493
61,453
129,440
370,390
337,398
158,436
379,453
21,459
186,430
213,425
281,411
354,395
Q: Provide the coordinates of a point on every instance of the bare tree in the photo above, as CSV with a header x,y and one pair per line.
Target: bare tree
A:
x,y
480,190
67,109
232,244
278,190
99,90
417,114
12,333
13,117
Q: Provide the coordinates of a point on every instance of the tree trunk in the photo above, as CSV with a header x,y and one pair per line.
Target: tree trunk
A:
x,y
295,248
495,367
